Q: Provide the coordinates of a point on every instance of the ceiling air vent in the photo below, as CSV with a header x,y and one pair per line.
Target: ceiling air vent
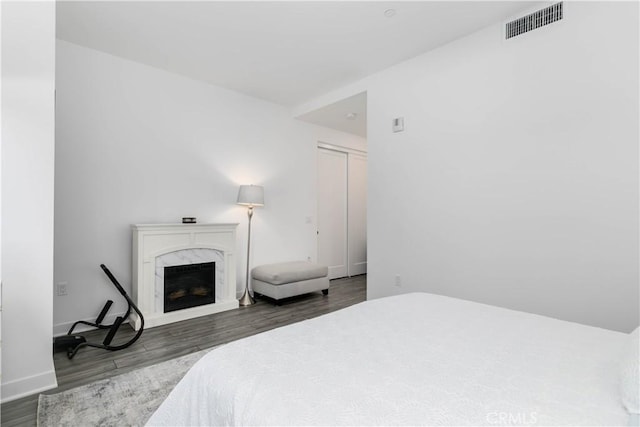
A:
x,y
534,20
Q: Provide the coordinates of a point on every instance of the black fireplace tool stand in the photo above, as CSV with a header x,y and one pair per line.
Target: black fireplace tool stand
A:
x,y
72,343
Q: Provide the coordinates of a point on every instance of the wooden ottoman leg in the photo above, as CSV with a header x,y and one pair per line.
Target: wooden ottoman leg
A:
x,y
325,292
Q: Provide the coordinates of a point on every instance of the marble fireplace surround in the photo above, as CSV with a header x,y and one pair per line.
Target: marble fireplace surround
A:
x,y
187,257
156,246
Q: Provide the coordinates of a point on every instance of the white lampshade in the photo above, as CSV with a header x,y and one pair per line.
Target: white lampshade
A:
x,y
251,195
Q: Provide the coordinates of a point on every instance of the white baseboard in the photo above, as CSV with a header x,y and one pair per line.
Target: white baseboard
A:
x,y
63,328
358,268
27,386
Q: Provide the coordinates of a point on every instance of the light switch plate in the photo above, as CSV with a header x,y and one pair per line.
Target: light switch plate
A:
x,y
398,124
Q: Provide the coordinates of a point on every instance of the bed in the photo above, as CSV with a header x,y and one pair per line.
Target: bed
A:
x,y
414,359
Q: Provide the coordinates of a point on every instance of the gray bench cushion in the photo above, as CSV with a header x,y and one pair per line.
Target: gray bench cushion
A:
x,y
287,272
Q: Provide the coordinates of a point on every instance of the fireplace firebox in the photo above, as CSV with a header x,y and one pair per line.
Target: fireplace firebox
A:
x,y
190,285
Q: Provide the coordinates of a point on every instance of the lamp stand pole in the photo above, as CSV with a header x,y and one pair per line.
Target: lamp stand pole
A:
x,y
246,298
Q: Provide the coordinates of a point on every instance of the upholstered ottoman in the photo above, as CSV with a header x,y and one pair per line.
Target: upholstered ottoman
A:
x,y
289,279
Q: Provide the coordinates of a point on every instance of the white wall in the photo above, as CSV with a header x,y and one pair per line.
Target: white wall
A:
x,y
0,213
28,55
135,144
516,180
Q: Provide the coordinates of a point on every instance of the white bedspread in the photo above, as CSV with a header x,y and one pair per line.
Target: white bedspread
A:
x,y
415,359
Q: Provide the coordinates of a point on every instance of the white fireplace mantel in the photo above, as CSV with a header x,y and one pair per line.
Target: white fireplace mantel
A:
x,y
151,245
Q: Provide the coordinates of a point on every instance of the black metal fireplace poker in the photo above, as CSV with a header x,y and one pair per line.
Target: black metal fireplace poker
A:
x,y
73,343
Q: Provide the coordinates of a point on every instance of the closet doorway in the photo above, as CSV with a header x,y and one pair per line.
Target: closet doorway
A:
x,y
342,210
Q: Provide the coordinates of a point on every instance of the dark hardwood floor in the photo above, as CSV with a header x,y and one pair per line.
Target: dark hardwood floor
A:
x,y
170,341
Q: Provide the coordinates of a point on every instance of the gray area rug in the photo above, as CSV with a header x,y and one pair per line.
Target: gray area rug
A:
x,y
124,400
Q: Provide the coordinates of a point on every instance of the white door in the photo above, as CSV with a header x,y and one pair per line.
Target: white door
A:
x,y
332,211
357,214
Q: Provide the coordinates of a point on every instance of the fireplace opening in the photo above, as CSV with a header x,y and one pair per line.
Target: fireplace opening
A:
x,y
187,286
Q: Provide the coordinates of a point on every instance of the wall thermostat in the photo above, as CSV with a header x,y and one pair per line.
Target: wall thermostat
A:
x,y
398,124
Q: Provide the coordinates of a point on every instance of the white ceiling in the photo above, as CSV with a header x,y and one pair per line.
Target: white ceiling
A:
x,y
348,115
283,52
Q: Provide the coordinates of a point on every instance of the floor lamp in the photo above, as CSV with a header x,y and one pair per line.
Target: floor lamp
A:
x,y
250,196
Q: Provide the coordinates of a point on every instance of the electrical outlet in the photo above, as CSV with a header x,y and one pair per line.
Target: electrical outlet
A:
x,y
61,289
398,281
